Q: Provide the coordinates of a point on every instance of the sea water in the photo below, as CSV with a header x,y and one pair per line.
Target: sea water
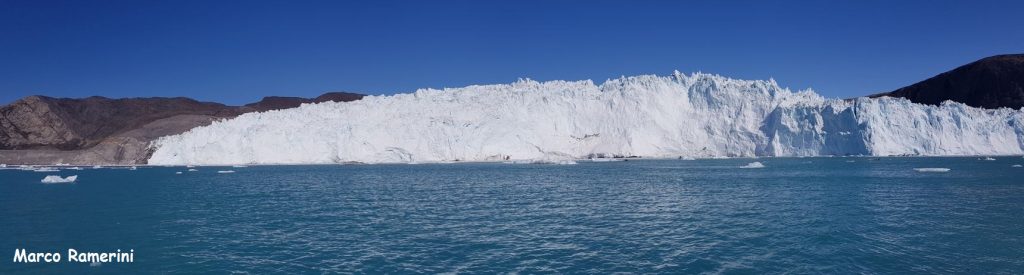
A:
x,y
797,215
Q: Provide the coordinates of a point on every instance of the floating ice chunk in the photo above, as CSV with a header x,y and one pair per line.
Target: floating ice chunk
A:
x,y
97,167
192,170
604,160
3,165
225,171
189,166
58,179
177,173
132,168
239,166
75,168
988,158
1016,166
756,164
45,169
933,170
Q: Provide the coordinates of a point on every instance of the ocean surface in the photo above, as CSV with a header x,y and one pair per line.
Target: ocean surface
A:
x,y
795,215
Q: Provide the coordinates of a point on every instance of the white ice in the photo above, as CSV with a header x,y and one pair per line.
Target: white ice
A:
x,y
697,115
58,179
756,164
931,169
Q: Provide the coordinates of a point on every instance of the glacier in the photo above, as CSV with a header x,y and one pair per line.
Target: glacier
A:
x,y
676,116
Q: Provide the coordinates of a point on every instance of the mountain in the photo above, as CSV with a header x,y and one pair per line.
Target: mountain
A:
x,y
698,115
992,82
285,102
99,130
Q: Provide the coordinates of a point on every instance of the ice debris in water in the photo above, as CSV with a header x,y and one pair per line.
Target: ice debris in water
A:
x,y
988,158
177,173
756,164
1016,166
192,170
225,171
58,179
45,169
938,170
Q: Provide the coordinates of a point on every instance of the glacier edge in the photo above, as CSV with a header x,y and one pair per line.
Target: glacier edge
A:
x,y
696,115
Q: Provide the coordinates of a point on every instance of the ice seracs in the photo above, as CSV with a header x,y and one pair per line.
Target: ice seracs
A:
x,y
697,115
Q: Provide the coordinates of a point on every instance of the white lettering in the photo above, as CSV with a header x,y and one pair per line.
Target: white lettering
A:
x,y
22,256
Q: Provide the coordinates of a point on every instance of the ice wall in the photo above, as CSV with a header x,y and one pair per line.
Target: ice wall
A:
x,y
698,115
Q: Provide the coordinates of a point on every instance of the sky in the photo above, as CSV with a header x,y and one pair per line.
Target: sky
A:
x,y
236,52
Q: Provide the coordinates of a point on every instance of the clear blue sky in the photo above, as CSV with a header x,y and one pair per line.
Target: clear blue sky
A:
x,y
238,51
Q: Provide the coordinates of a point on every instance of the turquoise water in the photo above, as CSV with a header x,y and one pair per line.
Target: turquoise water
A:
x,y
797,215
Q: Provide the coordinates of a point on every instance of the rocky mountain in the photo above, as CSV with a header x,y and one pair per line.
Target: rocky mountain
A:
x,y
992,82
286,102
99,130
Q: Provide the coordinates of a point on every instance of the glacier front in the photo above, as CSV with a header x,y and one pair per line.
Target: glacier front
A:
x,y
697,115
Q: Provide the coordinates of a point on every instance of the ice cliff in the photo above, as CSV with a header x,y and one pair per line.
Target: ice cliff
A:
x,y
698,115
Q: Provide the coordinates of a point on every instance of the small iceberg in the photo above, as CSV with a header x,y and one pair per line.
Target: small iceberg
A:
x,y
988,158
75,168
225,171
192,170
177,173
756,164
933,170
45,169
58,179
239,166
1016,166
132,168
604,160
97,167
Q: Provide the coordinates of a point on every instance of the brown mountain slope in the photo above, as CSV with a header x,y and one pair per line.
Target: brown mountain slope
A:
x,y
98,130
992,82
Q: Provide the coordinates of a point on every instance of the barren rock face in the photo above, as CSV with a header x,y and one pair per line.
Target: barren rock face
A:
x,y
32,122
98,130
992,82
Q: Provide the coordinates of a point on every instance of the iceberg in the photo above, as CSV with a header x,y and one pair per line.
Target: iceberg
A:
x,y
225,172
45,169
58,179
756,164
691,116
940,170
